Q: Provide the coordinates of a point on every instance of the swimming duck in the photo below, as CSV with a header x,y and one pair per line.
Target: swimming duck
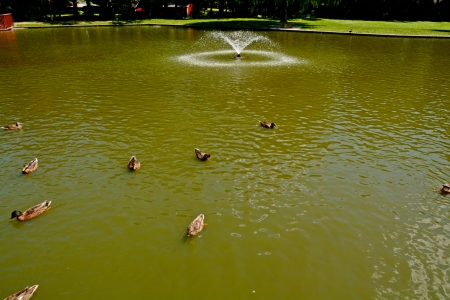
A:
x,y
31,212
196,226
134,163
201,155
268,124
24,294
30,167
446,188
18,125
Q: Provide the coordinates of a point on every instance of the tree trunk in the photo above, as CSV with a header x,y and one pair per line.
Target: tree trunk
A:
x,y
75,9
59,3
284,14
221,2
88,7
176,9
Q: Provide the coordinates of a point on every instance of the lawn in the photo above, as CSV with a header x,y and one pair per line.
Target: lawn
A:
x,y
306,24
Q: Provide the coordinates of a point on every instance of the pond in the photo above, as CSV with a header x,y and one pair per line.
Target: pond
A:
x,y
339,201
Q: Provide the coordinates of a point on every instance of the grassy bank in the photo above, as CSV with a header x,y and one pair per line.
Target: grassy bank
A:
x,y
309,24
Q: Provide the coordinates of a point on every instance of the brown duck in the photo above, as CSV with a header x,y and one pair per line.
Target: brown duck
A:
x,y
270,125
30,167
16,126
446,188
32,212
196,226
201,155
134,163
24,294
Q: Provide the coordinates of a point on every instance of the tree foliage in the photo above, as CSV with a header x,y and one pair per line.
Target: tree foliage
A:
x,y
35,10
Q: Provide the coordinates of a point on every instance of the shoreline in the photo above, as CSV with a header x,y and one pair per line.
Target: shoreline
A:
x,y
22,25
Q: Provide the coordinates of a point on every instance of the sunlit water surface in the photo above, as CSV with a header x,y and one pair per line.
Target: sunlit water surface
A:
x,y
340,201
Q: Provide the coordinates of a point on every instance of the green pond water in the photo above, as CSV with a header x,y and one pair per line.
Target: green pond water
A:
x,y
341,201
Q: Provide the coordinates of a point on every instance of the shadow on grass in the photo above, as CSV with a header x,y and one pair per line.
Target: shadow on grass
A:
x,y
312,19
221,23
249,24
61,22
441,30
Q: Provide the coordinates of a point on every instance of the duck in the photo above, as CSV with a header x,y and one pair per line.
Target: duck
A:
x,y
270,125
134,163
32,212
16,126
196,226
24,294
446,188
30,167
201,155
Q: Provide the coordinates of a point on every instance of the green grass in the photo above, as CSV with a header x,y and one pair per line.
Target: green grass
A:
x,y
379,27
307,24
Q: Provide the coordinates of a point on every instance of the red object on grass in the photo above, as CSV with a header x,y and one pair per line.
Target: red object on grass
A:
x,y
6,22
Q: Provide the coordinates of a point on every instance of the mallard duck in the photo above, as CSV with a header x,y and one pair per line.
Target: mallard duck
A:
x,y
18,125
268,124
30,167
202,155
32,211
134,163
24,294
446,188
196,226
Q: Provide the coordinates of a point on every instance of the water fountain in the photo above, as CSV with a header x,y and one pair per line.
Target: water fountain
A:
x,y
238,40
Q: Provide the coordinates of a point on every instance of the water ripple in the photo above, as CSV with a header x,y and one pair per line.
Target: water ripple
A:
x,y
257,58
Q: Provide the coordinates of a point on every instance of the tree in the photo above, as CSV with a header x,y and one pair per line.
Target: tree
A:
x,y
284,11
75,9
